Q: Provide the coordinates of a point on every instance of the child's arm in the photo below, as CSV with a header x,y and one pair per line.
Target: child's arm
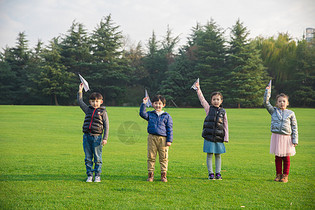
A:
x,y
226,128
294,128
267,104
81,103
169,131
143,112
202,99
106,128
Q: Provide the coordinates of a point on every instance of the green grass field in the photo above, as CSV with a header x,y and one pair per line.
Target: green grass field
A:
x,y
42,162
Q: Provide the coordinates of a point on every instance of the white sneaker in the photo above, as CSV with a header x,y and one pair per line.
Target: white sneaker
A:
x,y
89,179
97,179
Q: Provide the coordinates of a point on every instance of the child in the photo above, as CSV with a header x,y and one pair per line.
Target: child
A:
x,y
95,123
215,131
284,135
160,129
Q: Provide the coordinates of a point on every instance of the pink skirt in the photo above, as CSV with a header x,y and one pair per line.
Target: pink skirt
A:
x,y
281,145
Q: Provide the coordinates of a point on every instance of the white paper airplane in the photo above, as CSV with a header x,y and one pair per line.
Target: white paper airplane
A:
x,y
194,85
85,83
269,85
148,104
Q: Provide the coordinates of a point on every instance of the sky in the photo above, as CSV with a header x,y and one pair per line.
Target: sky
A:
x,y
46,19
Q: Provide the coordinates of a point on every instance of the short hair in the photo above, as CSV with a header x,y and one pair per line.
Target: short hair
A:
x,y
282,95
216,93
158,98
96,96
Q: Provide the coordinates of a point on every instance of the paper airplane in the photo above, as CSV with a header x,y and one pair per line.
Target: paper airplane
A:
x,y
194,85
269,85
148,104
85,83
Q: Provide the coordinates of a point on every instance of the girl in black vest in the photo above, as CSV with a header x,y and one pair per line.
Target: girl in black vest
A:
x,y
215,131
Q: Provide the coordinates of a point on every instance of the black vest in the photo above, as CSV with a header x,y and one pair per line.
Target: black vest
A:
x,y
93,122
213,129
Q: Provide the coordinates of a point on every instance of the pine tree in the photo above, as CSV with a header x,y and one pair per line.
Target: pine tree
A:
x,y
211,55
53,80
109,68
248,77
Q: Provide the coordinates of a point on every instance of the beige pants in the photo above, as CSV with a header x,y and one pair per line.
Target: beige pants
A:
x,y
157,144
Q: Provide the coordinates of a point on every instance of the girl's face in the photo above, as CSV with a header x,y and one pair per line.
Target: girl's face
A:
x,y
282,102
216,100
158,105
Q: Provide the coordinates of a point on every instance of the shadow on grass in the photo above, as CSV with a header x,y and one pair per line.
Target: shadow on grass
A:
x,y
62,177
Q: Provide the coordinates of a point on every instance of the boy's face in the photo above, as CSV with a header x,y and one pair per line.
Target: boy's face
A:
x,y
282,103
158,105
216,100
96,103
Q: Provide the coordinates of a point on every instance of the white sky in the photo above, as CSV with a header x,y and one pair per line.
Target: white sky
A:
x,y
45,19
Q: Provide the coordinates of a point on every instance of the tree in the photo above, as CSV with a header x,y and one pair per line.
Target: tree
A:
x,y
248,76
17,60
279,56
109,66
75,49
53,79
303,93
211,54
181,74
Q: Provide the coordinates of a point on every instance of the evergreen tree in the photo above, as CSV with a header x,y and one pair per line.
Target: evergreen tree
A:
x,y
7,83
109,66
53,80
182,73
75,49
155,63
248,77
211,55
16,59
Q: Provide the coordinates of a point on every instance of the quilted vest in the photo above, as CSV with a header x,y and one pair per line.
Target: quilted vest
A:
x,y
213,129
93,122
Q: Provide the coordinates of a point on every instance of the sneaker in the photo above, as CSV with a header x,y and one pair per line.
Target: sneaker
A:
x,y
284,178
97,179
89,179
278,178
218,176
211,176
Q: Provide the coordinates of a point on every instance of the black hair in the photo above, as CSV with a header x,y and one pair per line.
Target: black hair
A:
x,y
158,98
217,93
96,96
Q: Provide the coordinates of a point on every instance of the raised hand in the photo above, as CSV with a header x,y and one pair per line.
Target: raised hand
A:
x,y
145,100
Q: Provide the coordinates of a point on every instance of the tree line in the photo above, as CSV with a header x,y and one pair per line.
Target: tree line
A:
x,y
233,64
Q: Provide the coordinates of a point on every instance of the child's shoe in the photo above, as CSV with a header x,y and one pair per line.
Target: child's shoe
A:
x,y
278,178
218,176
89,179
150,177
284,178
211,176
97,179
163,177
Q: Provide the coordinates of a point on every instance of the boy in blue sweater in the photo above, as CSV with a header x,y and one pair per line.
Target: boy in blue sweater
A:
x,y
160,129
95,124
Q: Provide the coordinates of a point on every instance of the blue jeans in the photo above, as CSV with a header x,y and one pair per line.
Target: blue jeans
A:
x,y
92,146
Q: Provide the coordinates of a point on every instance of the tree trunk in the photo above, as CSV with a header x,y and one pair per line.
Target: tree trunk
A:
x,y
239,105
56,100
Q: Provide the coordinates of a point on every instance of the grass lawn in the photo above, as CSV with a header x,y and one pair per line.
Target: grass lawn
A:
x,y
42,162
